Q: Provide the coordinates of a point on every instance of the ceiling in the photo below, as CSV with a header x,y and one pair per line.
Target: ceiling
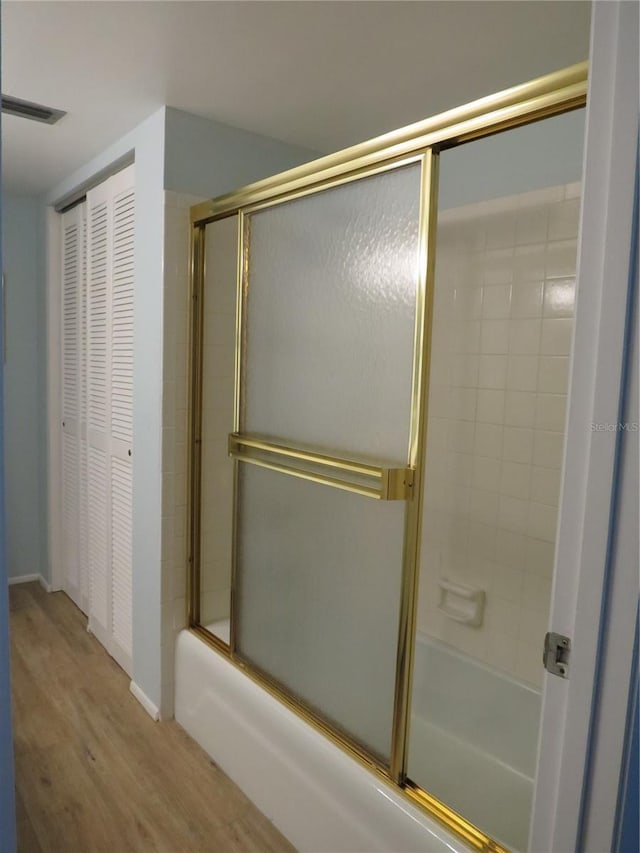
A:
x,y
323,75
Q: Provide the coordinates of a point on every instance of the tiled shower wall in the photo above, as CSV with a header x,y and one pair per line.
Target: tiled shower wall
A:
x,y
174,432
503,320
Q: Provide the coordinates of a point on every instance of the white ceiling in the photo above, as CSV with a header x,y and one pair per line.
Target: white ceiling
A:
x,y
321,75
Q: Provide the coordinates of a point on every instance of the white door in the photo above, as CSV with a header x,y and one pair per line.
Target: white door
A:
x,y
73,336
110,271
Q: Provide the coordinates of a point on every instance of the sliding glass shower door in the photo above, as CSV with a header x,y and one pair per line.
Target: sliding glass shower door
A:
x,y
328,315
378,406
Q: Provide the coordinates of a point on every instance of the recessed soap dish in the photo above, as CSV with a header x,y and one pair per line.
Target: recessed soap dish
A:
x,y
462,603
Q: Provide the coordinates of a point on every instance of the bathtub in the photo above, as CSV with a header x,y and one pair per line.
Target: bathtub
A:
x,y
474,736
320,798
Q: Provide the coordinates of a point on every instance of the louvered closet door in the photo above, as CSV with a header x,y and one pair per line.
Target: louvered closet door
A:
x,y
73,288
110,258
121,407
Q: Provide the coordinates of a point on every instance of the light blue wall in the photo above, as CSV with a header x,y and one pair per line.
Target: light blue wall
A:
x,y
7,797
207,158
24,380
497,166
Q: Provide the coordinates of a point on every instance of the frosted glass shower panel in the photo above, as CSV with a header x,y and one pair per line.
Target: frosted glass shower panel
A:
x,y
330,317
218,353
318,586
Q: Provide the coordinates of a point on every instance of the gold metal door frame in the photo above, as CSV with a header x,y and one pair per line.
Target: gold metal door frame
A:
x,y
544,97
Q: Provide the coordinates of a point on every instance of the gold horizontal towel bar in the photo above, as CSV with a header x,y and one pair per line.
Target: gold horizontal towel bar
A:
x,y
373,481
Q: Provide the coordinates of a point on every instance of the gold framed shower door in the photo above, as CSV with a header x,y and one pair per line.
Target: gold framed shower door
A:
x,y
544,97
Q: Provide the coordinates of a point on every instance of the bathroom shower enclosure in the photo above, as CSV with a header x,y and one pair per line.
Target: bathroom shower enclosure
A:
x,y
380,350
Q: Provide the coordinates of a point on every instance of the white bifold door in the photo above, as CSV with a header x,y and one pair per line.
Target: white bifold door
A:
x,y
98,279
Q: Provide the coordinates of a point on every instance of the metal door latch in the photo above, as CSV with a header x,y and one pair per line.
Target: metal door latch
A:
x,y
556,654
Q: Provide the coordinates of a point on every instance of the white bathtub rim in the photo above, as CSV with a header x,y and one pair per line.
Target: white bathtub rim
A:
x,y
321,799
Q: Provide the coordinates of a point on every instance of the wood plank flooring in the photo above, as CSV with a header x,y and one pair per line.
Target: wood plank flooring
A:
x,y
94,773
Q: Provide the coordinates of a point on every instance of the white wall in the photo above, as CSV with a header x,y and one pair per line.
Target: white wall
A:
x,y
24,387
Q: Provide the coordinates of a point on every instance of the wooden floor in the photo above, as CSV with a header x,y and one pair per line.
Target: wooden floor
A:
x,y
93,771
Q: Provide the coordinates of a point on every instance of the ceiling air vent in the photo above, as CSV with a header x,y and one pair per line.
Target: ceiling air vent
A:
x,y
27,109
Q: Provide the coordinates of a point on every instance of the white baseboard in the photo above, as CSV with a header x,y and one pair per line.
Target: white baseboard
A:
x,y
144,700
29,579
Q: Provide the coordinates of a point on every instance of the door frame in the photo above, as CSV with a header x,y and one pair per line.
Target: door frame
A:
x,y
582,549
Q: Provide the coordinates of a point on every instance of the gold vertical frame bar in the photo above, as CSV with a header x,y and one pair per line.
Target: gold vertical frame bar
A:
x,y
417,445
242,292
194,466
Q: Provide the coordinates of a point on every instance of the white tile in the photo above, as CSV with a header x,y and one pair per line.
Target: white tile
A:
x,y
439,405
166,581
464,370
573,190
461,436
488,440
168,449
529,263
539,557
492,371
551,412
533,623
515,480
556,336
548,448
490,406
486,473
482,539
563,219
462,404
531,225
494,338
542,522
483,506
512,514
168,403
501,651
529,663
498,266
560,260
500,231
524,337
545,485
526,299
461,468
537,592
179,614
511,549
496,301
437,433
559,297
520,409
508,583
168,500
502,616
553,374
517,445
522,372
467,337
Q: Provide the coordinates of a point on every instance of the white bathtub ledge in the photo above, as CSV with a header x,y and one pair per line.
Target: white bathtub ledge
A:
x,y
319,798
